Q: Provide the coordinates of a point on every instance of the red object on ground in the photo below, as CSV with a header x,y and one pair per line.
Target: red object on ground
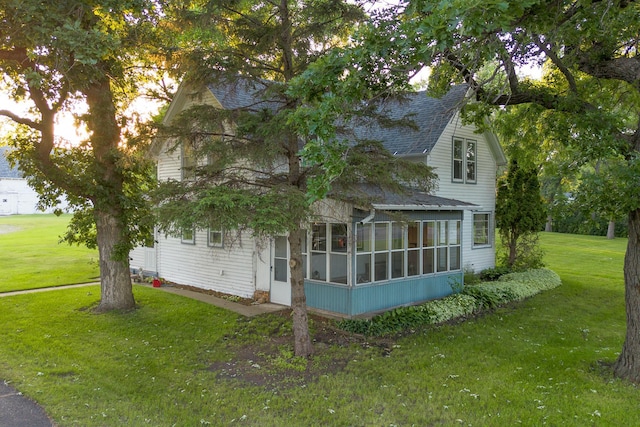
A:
x,y
156,283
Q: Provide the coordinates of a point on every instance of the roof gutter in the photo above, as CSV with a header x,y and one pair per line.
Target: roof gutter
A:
x,y
425,207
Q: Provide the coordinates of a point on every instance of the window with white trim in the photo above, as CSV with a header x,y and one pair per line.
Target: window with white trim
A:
x,y
481,229
464,160
329,243
392,250
188,236
215,238
188,161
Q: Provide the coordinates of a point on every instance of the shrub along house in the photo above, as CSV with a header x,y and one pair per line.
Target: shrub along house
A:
x,y
400,250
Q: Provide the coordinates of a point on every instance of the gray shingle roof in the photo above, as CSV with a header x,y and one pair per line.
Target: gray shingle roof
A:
x,y
375,196
6,171
241,94
429,117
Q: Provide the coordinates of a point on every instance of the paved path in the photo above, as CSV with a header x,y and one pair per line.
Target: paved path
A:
x,y
17,410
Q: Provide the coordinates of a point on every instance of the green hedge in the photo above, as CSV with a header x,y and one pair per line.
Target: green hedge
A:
x,y
472,299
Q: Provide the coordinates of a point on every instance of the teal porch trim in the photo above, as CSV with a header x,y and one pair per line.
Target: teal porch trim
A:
x,y
376,297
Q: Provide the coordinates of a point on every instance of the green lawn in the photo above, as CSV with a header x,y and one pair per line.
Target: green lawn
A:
x,y
542,362
31,257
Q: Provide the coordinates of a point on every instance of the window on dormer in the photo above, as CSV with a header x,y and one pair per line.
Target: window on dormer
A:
x,y
464,162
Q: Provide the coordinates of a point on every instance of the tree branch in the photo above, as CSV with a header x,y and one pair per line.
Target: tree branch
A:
x,y
21,120
557,62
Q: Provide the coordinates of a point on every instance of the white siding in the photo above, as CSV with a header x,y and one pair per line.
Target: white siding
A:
x,y
482,193
136,258
230,269
16,197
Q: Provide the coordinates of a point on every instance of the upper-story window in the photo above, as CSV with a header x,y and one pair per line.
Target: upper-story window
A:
x,y
188,160
464,160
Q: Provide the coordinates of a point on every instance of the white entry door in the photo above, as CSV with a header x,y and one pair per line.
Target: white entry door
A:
x,y
8,203
150,259
280,283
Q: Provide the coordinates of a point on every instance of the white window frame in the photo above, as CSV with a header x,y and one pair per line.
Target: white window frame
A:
x,y
447,242
218,242
464,163
184,237
487,224
332,248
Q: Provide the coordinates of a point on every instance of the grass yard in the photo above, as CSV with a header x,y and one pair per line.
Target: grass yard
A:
x,y
31,257
176,361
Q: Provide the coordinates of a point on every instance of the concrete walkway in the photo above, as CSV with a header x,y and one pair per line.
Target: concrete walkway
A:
x,y
245,310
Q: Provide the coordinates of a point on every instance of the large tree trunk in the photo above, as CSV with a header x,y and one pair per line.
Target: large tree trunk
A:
x,y
301,336
116,291
611,230
548,227
628,364
115,278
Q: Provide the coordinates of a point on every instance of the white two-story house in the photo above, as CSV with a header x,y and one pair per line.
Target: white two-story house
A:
x,y
357,260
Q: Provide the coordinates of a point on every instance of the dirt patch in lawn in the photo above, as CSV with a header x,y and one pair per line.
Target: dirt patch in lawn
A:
x,y
5,229
268,360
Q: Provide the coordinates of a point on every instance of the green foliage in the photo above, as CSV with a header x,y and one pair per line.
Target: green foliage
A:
x,y
285,359
471,277
570,217
520,214
513,287
528,252
556,347
88,62
492,274
274,157
489,295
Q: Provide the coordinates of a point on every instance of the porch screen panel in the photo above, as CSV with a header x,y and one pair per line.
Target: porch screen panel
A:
x,y
413,249
442,254
338,257
381,257
454,245
319,252
428,243
397,250
363,253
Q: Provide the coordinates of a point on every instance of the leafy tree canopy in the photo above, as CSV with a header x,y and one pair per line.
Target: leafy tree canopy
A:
x,y
590,95
54,56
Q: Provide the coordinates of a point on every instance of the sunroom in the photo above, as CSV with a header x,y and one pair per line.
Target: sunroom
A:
x,y
390,256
